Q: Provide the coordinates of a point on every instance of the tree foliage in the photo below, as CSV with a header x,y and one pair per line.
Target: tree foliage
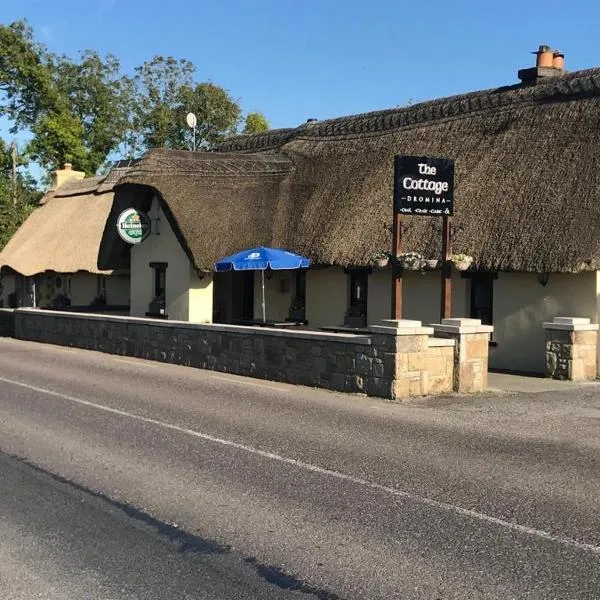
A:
x,y
73,109
256,122
84,110
18,196
165,93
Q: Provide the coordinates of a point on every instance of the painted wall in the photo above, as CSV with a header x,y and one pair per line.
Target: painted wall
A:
x,y
201,297
422,296
379,299
326,296
117,290
279,292
161,246
522,304
84,288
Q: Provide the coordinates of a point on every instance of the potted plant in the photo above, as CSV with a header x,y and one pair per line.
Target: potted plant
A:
x,y
432,263
381,259
410,261
461,261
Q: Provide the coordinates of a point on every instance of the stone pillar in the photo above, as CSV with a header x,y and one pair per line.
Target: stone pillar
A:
x,y
471,348
571,347
408,340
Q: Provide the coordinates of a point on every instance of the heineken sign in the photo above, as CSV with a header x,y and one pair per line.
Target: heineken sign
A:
x,y
423,186
133,226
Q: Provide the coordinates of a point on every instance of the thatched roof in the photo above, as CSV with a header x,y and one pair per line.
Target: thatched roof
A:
x,y
526,197
64,233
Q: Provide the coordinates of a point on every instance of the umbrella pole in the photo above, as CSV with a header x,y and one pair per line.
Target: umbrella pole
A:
x,y
263,296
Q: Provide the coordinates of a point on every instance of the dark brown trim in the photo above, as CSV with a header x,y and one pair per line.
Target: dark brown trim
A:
x,y
158,265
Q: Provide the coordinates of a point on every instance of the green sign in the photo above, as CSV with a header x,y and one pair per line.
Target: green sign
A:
x,y
133,226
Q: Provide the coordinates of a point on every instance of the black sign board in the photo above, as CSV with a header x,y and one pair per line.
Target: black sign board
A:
x,y
423,186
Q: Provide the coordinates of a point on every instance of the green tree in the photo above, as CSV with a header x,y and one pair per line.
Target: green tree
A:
x,y
165,92
256,122
77,111
18,195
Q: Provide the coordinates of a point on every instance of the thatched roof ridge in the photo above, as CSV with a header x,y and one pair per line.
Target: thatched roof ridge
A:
x,y
571,86
527,182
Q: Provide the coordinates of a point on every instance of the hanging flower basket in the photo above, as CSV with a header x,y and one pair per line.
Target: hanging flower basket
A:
x,y
410,261
431,264
381,259
461,261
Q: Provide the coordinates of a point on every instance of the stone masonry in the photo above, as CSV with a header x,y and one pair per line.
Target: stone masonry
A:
x,y
7,322
423,365
471,352
342,362
571,349
395,360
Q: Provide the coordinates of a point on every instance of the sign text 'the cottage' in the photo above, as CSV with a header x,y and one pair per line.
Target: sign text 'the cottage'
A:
x,y
423,186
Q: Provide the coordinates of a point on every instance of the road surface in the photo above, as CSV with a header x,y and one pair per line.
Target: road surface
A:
x,y
308,493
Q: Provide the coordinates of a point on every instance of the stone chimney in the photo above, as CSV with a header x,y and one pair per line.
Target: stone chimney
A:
x,y
549,63
63,175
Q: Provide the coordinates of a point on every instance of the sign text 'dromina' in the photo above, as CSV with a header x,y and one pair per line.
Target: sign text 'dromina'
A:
x,y
423,186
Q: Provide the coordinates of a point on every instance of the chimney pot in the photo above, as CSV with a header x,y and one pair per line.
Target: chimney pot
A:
x,y
558,60
545,56
68,166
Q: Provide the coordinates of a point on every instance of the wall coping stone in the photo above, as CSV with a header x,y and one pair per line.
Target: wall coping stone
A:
x,y
571,324
462,329
401,327
439,342
344,338
7,310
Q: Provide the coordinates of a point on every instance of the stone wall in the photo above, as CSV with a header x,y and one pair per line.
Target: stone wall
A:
x,y
7,322
396,360
571,349
342,362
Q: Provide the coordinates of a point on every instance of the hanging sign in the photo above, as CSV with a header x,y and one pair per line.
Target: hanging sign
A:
x,y
133,226
423,186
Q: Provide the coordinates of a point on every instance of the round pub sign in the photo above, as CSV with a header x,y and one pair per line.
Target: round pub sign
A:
x,y
133,226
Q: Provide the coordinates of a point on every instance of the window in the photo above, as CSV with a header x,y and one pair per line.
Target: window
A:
x,y
160,281
482,297
357,304
101,286
159,288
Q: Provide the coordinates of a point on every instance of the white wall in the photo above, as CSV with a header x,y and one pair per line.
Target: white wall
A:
x,y
422,296
278,294
522,305
160,247
84,287
379,296
117,290
201,297
326,296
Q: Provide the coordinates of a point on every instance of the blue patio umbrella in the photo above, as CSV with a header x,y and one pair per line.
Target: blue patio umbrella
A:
x,y
261,259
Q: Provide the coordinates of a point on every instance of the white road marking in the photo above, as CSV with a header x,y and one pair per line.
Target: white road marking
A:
x,y
243,382
466,512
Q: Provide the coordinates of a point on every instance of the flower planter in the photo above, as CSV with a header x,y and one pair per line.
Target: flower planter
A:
x,y
410,261
432,264
382,262
462,265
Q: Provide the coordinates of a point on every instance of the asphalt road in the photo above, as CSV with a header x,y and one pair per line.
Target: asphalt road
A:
x,y
306,493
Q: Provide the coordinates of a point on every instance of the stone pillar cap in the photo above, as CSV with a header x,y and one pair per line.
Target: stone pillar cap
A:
x,y
401,327
462,326
571,324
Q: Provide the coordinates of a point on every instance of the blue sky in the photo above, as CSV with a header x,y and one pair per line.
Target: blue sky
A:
x,y
299,59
